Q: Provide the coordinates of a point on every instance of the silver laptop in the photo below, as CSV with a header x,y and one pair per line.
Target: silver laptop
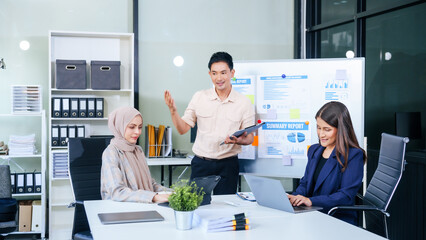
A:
x,y
130,217
270,193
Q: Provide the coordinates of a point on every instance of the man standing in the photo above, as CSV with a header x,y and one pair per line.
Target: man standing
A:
x,y
218,112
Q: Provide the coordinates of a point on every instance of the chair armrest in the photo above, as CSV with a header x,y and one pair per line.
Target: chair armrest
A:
x,y
357,208
73,204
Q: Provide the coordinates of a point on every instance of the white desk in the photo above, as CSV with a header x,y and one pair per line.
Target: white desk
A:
x,y
265,223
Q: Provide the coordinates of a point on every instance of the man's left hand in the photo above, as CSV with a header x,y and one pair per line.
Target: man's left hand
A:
x,y
244,139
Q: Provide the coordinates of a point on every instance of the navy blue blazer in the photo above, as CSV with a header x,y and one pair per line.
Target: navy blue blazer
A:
x,y
333,187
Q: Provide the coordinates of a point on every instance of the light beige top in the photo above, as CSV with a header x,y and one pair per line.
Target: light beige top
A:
x,y
118,181
216,120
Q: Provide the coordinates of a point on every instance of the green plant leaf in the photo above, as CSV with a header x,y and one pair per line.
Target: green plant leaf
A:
x,y
186,196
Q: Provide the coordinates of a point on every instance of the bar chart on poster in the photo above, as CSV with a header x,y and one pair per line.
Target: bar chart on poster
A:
x,y
286,95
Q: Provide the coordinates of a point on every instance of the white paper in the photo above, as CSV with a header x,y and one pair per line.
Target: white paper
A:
x,y
248,152
278,138
283,94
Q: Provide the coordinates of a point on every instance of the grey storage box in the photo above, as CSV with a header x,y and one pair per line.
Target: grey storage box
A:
x,y
105,75
71,74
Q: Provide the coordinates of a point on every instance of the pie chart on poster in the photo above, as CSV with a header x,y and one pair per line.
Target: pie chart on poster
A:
x,y
300,137
291,137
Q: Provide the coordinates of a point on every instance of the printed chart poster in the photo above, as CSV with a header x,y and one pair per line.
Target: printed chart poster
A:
x,y
337,86
280,138
246,86
283,93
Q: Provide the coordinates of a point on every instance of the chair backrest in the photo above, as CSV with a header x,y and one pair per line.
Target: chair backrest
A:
x,y
8,205
389,171
85,163
5,187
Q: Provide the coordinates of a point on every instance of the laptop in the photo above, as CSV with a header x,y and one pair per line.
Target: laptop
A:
x,y
208,183
270,193
130,217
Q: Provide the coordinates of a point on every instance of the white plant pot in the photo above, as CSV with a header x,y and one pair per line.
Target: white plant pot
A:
x,y
184,219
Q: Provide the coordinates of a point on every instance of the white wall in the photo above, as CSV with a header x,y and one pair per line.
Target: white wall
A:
x,y
31,21
247,29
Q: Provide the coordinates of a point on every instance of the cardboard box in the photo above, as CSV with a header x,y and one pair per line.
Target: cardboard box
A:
x,y
36,217
25,212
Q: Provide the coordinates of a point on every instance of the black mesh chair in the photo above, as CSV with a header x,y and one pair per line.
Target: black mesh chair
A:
x,y
85,162
8,205
384,181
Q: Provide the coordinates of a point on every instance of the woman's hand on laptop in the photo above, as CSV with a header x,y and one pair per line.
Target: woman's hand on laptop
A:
x,y
299,200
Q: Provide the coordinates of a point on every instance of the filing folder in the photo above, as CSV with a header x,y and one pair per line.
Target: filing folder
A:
x,y
36,216
74,107
65,107
99,107
37,182
55,136
63,135
25,213
29,182
82,107
56,107
72,131
12,183
81,131
20,182
91,107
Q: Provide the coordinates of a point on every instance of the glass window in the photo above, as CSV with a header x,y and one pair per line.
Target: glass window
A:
x,y
395,69
372,4
337,9
337,41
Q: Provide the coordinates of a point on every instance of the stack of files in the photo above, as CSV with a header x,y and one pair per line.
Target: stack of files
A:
x,y
151,141
212,220
60,164
158,141
22,145
26,99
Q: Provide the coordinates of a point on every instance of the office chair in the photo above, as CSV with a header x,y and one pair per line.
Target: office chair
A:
x,y
8,205
85,162
385,179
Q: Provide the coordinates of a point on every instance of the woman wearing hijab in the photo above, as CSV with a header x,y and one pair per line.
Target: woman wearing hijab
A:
x,y
125,174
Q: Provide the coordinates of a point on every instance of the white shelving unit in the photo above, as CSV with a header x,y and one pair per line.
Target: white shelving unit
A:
x,y
84,46
29,163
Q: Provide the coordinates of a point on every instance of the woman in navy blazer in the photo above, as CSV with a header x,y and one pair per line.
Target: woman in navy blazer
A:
x,y
334,171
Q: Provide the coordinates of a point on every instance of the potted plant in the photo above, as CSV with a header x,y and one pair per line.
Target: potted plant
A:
x,y
184,200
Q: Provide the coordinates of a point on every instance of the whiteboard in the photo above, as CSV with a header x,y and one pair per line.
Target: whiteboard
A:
x,y
287,94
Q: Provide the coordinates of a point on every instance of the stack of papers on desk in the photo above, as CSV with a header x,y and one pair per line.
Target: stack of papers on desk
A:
x,y
22,145
246,196
212,220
